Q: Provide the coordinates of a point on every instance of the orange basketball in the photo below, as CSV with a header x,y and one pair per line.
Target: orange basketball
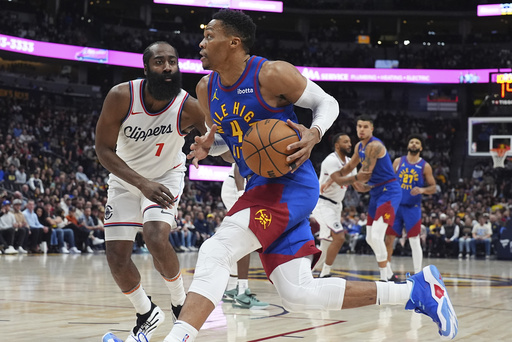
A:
x,y
264,147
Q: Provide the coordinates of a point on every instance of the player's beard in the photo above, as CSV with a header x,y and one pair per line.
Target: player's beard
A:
x,y
415,152
346,151
161,89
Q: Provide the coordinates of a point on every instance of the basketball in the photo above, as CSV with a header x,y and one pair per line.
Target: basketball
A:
x,y
264,147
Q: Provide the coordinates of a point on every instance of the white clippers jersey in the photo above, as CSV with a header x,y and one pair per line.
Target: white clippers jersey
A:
x,y
331,164
151,143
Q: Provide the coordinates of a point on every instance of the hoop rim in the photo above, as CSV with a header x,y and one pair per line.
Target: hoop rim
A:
x,y
499,152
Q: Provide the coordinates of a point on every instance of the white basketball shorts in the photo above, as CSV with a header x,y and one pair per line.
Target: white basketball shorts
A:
x,y
127,209
328,216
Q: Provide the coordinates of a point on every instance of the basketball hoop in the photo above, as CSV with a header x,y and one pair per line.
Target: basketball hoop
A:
x,y
499,155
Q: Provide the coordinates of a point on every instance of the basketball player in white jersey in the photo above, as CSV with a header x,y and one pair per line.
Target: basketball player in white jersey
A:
x,y
237,289
330,204
139,139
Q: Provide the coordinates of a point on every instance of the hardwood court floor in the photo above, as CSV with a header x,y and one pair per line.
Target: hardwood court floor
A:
x,y
74,298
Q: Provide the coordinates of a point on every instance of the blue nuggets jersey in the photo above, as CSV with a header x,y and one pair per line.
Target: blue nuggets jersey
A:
x,y
279,207
410,176
236,108
383,171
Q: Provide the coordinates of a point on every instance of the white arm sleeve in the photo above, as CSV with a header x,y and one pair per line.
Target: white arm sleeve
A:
x,y
219,146
325,107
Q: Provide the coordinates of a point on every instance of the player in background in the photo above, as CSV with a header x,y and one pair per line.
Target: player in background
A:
x,y
379,179
139,139
237,290
329,208
415,178
272,216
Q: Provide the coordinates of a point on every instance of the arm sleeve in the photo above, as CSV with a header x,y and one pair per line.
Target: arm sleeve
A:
x,y
325,107
219,146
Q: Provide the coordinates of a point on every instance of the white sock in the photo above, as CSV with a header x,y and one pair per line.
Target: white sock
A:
x,y
232,282
417,253
325,270
181,331
175,286
383,273
393,293
139,299
243,284
389,270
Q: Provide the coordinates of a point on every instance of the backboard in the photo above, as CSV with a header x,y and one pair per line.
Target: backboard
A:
x,y
485,133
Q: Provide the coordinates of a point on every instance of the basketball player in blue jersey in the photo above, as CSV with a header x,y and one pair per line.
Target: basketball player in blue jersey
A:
x,y
139,139
415,178
379,179
272,215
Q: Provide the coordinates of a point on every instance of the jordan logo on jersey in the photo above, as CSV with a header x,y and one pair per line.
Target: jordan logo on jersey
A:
x,y
214,97
264,218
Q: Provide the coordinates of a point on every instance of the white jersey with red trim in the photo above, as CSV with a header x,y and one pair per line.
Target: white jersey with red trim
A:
x,y
151,143
331,164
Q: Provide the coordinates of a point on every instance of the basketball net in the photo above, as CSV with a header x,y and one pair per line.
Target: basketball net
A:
x,y
499,155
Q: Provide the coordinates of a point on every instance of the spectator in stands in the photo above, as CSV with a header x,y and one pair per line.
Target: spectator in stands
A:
x,y
80,175
14,160
82,234
191,235
466,237
36,229
95,229
482,233
21,176
25,192
67,235
434,237
450,238
22,230
8,230
203,229
496,227
35,183
10,177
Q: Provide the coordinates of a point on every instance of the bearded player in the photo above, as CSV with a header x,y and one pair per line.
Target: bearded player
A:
x,y
139,139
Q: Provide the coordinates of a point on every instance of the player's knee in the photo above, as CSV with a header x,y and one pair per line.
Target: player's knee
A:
x,y
212,255
314,294
338,237
300,299
378,246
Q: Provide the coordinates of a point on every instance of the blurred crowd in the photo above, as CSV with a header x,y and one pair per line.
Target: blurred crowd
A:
x,y
48,165
322,43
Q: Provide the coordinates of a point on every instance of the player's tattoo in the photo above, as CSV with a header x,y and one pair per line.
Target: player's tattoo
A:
x,y
372,152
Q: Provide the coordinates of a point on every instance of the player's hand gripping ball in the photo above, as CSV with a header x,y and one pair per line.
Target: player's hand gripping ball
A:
x,y
264,147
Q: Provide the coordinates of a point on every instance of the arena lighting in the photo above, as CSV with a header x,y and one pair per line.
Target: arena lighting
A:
x,y
210,173
194,66
494,10
248,5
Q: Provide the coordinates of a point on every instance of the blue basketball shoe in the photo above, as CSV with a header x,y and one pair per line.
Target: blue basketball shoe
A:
x,y
110,337
429,297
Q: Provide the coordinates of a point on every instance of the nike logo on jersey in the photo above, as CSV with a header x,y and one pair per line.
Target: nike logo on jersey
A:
x,y
135,113
419,167
165,212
